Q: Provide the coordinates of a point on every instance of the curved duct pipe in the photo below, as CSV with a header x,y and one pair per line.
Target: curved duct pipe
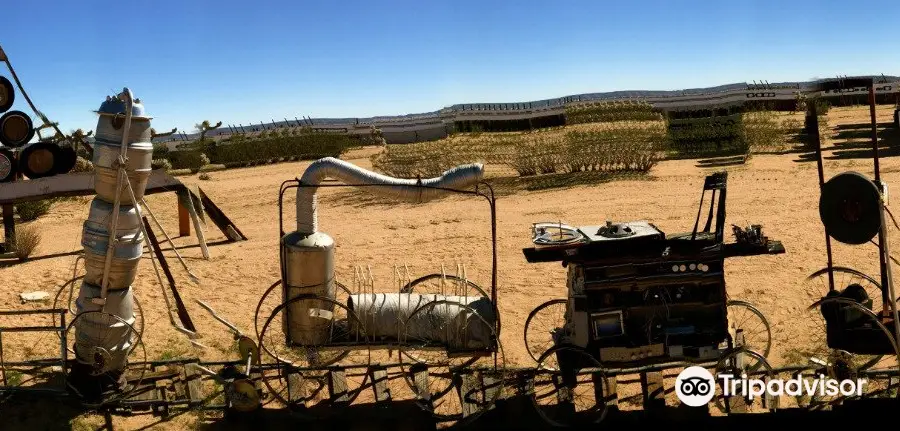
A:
x,y
414,190
307,256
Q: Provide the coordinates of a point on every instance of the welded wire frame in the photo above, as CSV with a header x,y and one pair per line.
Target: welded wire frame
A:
x,y
482,189
58,327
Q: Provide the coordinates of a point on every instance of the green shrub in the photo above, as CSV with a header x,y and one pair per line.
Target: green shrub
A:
x,y
164,164
204,176
29,211
82,165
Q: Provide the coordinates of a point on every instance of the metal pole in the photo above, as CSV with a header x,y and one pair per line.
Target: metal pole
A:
x,y
122,175
887,285
814,111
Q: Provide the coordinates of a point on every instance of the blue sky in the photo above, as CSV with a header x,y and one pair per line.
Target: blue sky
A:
x,y
242,62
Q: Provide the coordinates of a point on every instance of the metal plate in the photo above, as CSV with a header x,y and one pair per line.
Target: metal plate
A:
x,y
850,208
247,347
7,165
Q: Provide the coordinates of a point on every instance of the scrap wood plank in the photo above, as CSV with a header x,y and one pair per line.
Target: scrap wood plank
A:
x,y
468,384
492,385
219,218
194,384
296,389
337,387
420,378
654,390
379,384
608,392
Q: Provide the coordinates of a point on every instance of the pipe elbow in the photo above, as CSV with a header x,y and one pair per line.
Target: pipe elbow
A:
x,y
412,190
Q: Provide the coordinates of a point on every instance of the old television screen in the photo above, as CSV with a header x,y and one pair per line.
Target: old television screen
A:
x,y
607,324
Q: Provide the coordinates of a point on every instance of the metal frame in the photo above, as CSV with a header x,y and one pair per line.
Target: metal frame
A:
x,y
887,285
60,328
482,189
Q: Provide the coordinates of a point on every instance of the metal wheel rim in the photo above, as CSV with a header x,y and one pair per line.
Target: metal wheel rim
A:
x,y
528,323
598,369
283,364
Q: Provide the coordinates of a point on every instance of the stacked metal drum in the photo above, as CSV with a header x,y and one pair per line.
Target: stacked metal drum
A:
x,y
112,237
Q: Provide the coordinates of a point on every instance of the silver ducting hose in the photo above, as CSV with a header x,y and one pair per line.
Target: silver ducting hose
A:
x,y
412,190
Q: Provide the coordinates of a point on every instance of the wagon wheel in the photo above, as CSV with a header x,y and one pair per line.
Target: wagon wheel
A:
x,y
271,302
568,387
113,359
452,286
739,362
879,366
66,295
332,334
452,370
751,328
544,327
817,284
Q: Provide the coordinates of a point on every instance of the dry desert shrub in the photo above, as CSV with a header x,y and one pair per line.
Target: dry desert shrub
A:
x,y
27,239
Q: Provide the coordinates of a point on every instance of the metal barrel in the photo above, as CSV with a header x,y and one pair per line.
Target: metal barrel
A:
x,y
128,249
100,337
309,269
107,148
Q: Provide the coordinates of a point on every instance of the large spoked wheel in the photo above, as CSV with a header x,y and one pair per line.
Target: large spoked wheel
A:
x,y
104,353
817,284
65,296
544,327
437,284
865,350
268,302
568,387
463,358
749,328
741,362
325,333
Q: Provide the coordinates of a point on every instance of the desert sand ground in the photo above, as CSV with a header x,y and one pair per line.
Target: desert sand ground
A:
x,y
778,191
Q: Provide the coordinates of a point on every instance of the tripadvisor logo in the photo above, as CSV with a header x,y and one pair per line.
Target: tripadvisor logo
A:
x,y
695,386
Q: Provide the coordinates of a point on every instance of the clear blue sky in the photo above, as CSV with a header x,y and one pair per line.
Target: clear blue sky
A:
x,y
242,62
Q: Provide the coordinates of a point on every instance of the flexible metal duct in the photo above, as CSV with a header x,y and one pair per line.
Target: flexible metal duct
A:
x,y
308,255
412,190
454,321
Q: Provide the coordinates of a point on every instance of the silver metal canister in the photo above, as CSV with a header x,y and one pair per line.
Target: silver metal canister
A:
x,y
309,269
107,148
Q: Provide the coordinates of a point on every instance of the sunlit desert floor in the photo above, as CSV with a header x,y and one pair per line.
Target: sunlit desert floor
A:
x,y
778,191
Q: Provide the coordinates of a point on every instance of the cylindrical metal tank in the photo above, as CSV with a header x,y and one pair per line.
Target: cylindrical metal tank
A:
x,y
101,333
107,147
449,321
126,256
309,269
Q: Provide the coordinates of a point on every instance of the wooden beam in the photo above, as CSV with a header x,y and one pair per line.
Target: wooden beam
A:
x,y
77,184
184,220
9,227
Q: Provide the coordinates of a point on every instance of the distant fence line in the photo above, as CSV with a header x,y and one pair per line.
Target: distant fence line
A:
x,y
436,125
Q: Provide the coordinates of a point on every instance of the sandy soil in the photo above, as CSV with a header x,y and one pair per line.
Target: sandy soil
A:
x,y
778,191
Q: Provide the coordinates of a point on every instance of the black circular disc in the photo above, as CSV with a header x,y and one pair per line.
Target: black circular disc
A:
x,y
65,160
38,160
8,168
850,208
16,129
7,94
